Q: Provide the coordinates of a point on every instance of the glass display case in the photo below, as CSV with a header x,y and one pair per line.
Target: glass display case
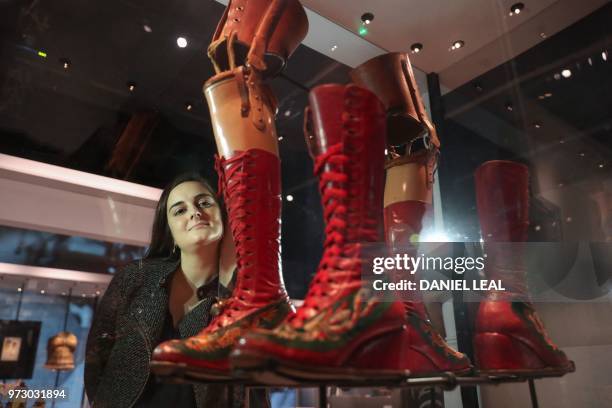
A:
x,y
102,105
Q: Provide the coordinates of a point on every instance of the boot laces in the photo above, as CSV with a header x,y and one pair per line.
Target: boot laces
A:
x,y
345,223
234,182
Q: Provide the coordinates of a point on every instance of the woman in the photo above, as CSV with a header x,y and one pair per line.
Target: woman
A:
x,y
167,295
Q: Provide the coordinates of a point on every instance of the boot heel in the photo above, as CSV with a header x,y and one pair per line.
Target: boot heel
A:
x,y
497,351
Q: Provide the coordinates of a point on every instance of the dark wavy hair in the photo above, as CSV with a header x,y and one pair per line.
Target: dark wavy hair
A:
x,y
162,242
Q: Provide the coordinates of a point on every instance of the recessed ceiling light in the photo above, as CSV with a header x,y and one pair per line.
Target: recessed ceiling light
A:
x,y
131,86
97,293
147,28
367,18
566,73
181,42
42,291
289,197
416,48
280,138
19,289
601,166
537,125
457,44
516,8
509,107
334,48
188,106
604,55
287,113
65,63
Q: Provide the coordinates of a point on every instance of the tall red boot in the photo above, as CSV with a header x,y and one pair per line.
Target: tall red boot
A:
x,y
510,338
342,331
428,352
250,183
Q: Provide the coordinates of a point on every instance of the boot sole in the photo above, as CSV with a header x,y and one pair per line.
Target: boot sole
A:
x,y
528,373
267,370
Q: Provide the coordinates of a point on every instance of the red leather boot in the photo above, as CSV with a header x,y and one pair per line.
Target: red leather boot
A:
x,y
427,351
342,331
250,181
510,338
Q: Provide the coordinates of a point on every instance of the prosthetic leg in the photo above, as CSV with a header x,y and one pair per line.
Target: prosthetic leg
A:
x,y
413,154
242,110
249,178
510,339
342,331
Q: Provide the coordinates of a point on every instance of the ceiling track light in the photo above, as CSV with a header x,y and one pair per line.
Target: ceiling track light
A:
x,y
416,48
457,44
367,18
181,42
516,8
65,63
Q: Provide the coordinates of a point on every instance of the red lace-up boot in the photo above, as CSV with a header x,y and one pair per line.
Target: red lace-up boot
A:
x,y
510,338
250,181
342,331
428,352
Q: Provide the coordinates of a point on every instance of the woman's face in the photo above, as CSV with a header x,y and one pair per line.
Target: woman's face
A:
x,y
194,218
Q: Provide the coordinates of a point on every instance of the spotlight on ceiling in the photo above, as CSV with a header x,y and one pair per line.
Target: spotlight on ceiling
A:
x,y
566,73
188,106
289,197
537,125
367,18
604,55
516,8
416,48
65,63
181,42
509,107
131,86
147,28
457,44
334,48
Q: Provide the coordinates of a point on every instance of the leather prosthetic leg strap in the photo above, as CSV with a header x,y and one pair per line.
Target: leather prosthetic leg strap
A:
x,y
391,78
260,34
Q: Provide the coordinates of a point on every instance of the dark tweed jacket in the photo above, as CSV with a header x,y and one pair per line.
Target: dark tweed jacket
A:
x,y
126,328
